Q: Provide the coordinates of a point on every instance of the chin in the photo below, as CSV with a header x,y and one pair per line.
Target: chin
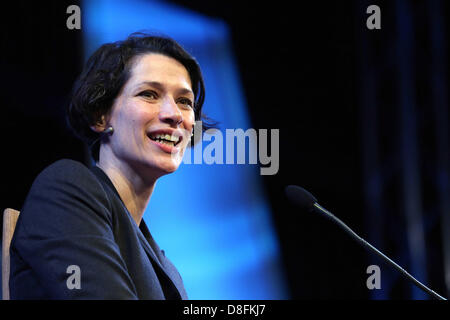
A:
x,y
151,170
166,168
170,169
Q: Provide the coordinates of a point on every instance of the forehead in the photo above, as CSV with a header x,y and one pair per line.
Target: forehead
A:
x,y
159,68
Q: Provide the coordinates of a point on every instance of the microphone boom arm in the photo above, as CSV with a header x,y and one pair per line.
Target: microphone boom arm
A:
x,y
366,244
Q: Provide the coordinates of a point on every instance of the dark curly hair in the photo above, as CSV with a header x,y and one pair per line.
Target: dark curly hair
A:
x,y
107,71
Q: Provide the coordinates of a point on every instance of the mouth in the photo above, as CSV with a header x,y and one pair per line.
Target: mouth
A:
x,y
165,138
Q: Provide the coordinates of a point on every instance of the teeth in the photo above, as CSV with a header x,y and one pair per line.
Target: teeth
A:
x,y
166,142
165,138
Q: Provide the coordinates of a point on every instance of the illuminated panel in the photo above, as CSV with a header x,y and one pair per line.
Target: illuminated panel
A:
x,y
212,221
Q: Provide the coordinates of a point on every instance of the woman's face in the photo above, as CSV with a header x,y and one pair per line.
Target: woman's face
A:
x,y
152,117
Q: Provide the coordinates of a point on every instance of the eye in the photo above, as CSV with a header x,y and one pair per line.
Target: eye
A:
x,y
148,94
187,102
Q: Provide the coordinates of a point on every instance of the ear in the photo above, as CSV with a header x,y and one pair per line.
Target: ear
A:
x,y
100,125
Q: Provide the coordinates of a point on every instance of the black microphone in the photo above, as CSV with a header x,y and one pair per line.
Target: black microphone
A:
x,y
307,201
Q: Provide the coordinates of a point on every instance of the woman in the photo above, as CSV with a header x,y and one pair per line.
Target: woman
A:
x,y
80,234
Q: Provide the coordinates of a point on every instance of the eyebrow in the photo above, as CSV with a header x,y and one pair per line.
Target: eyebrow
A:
x,y
161,87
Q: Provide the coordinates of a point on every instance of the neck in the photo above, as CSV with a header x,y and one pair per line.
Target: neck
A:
x,y
134,191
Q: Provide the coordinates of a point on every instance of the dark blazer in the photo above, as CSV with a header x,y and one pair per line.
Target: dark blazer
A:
x,y
73,216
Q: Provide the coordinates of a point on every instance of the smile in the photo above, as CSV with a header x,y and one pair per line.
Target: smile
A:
x,y
166,139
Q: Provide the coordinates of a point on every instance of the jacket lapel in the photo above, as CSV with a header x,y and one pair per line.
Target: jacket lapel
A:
x,y
165,264
150,246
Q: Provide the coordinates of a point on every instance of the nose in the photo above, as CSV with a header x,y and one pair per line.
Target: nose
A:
x,y
170,113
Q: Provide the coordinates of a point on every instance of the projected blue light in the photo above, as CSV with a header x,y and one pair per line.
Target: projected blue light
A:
x,y
212,220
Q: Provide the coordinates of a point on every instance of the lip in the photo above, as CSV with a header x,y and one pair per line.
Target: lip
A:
x,y
164,147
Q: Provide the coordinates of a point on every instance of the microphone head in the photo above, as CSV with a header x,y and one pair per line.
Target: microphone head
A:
x,y
300,197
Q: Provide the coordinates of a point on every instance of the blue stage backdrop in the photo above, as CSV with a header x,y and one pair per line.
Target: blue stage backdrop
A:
x,y
213,221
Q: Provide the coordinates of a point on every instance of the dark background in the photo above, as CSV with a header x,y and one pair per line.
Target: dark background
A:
x,y
359,111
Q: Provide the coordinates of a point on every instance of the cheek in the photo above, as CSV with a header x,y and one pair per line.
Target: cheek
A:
x,y
139,117
189,120
189,124
130,125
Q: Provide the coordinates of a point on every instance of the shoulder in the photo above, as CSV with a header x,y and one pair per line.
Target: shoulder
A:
x,y
65,168
69,193
65,171
67,178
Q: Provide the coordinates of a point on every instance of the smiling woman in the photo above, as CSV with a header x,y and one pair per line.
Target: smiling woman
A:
x,y
135,104
143,110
